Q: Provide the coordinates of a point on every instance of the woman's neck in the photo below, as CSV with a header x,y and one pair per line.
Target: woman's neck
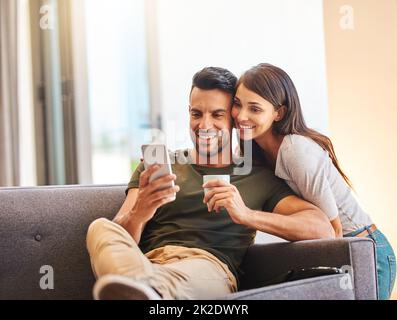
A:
x,y
270,144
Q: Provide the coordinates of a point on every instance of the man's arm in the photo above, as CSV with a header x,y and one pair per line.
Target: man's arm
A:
x,y
292,219
141,203
126,219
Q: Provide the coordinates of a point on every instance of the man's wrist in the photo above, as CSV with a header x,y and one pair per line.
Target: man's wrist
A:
x,y
133,224
128,219
248,217
135,219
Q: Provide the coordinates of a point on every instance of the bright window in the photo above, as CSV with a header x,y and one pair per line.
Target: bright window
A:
x,y
118,86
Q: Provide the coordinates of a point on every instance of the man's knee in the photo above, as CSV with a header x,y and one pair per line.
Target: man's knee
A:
x,y
96,227
105,232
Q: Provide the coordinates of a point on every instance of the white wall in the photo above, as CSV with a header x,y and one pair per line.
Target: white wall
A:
x,y
237,34
362,83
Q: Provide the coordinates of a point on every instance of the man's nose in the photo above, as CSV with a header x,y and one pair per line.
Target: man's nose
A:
x,y
206,123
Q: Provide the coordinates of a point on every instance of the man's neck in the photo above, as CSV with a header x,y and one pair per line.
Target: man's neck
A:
x,y
219,160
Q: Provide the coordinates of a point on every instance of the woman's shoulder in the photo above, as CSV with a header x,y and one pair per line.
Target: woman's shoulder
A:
x,y
301,153
299,144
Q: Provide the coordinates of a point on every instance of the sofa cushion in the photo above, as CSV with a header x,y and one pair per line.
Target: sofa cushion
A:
x,y
47,226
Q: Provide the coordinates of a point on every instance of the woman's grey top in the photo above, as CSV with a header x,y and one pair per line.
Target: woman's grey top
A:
x,y
309,171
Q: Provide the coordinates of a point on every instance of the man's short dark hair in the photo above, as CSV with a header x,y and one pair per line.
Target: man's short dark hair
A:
x,y
211,78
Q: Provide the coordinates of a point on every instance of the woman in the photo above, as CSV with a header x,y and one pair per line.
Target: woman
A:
x,y
267,111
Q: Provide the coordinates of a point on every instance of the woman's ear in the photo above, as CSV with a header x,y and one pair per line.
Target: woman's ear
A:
x,y
281,111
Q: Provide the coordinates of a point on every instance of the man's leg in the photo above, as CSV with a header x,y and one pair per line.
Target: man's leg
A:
x,y
177,272
205,280
205,276
112,250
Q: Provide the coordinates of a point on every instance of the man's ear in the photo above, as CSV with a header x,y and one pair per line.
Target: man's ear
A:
x,y
281,111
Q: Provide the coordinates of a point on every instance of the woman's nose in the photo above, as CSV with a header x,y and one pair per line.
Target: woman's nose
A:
x,y
241,116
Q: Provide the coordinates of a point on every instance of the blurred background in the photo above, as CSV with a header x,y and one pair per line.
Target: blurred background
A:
x,y
83,83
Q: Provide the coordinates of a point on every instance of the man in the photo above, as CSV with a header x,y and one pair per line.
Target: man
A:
x,y
191,247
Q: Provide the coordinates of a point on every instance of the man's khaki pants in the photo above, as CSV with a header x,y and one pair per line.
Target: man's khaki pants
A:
x,y
173,271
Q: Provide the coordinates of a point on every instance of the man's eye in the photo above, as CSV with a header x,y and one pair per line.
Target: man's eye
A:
x,y
195,115
218,115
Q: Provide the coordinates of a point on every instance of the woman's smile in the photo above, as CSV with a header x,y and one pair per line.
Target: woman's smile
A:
x,y
245,126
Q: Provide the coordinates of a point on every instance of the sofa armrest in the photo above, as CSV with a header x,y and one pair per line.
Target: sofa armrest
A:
x,y
265,262
318,288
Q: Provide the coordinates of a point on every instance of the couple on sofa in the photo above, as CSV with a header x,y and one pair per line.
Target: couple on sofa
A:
x,y
191,246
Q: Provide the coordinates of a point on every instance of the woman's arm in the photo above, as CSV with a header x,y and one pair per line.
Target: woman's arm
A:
x,y
337,225
308,170
292,219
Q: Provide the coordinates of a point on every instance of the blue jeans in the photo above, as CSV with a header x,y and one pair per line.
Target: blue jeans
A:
x,y
385,262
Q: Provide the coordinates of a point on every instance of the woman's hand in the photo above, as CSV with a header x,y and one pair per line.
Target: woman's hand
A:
x,y
223,194
337,225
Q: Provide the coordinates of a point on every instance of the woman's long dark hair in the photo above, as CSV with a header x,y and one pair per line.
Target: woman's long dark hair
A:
x,y
274,85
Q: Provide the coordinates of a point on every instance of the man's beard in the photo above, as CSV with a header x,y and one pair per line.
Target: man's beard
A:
x,y
212,148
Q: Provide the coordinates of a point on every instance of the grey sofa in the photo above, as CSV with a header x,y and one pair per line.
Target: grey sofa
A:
x,y
47,226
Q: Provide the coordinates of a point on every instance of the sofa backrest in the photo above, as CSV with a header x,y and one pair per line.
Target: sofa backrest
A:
x,y
46,226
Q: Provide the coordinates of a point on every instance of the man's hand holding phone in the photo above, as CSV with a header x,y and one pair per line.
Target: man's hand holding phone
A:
x,y
153,195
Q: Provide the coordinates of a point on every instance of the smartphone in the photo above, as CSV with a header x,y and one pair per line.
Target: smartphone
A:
x,y
157,154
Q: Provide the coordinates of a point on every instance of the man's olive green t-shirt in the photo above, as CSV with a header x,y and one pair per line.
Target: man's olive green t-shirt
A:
x,y
186,221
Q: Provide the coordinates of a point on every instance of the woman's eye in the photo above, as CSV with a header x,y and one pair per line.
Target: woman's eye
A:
x,y
256,110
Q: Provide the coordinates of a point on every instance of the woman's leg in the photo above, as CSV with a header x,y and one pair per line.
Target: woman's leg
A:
x,y
385,264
